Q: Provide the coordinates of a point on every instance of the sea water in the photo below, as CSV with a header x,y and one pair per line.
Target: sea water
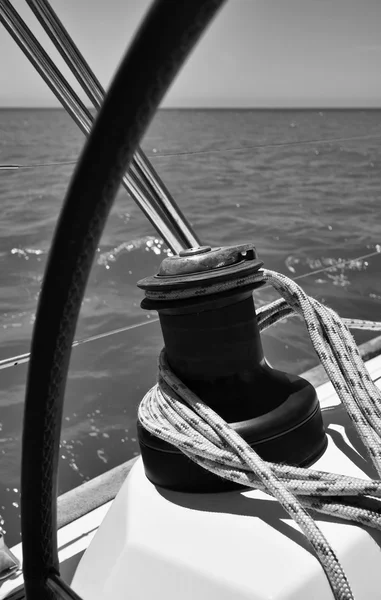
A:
x,y
312,208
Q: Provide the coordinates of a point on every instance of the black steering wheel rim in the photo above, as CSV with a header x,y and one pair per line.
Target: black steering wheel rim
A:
x,y
162,44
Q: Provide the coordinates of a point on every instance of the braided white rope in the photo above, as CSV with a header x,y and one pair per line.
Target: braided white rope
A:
x,y
279,309
175,414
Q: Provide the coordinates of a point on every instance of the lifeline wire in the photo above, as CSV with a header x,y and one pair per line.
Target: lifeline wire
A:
x,y
270,314
175,414
13,167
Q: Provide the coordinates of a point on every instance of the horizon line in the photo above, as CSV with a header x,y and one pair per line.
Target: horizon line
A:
x,y
216,108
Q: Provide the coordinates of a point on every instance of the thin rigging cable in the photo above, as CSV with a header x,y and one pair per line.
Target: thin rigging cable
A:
x,y
271,145
338,265
36,165
14,167
24,358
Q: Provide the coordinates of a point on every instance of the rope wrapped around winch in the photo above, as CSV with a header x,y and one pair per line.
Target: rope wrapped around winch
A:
x,y
172,412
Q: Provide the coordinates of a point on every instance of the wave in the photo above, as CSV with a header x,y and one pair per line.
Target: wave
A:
x,y
148,243
27,253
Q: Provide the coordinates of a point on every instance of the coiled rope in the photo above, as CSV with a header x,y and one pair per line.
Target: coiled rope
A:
x,y
172,412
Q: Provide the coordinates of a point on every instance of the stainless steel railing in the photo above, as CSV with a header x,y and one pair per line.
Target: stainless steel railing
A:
x,y
141,180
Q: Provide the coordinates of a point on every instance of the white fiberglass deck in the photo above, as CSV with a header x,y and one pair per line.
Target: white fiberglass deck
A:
x,y
187,546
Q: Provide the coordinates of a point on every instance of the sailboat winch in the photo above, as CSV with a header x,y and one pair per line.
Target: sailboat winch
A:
x,y
207,315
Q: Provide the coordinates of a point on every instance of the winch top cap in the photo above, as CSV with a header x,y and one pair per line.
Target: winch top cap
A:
x,y
204,263
205,258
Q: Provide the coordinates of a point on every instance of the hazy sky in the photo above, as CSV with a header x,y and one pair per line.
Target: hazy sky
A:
x,y
256,53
